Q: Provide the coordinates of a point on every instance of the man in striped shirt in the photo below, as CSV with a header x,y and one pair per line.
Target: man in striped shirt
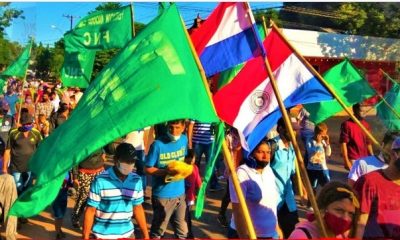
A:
x,y
116,195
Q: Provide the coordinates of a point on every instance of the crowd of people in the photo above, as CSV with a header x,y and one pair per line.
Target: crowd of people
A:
x,y
108,197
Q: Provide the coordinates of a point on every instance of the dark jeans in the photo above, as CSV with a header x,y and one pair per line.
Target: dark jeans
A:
x,y
287,220
226,199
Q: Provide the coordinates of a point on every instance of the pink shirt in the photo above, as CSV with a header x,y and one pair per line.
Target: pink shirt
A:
x,y
312,228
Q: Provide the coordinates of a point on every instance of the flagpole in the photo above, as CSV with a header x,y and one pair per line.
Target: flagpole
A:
x,y
133,21
299,157
387,76
385,102
330,89
23,83
227,155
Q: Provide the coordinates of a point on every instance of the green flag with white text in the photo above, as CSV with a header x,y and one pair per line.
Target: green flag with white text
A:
x,y
101,30
389,119
20,65
349,85
153,79
77,68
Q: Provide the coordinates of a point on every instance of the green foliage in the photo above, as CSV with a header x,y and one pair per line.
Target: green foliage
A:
x,y
8,52
269,14
7,15
373,19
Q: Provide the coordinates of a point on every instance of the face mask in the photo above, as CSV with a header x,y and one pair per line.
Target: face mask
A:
x,y
26,128
173,138
29,101
125,168
336,224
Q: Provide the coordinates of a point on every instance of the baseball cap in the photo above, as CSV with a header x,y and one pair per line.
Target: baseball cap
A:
x,y
125,152
396,144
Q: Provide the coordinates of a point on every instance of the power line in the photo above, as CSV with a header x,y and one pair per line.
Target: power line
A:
x,y
71,19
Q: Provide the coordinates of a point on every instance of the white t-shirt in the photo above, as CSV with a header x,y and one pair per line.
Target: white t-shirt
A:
x,y
261,194
365,165
136,139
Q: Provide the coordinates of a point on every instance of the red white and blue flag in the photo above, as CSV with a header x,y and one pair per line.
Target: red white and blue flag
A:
x,y
227,38
248,102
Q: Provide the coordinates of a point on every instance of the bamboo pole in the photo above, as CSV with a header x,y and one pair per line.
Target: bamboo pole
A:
x,y
227,155
23,83
133,21
387,76
330,89
299,157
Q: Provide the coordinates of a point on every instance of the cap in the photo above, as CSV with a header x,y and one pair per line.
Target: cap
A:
x,y
396,144
125,152
26,118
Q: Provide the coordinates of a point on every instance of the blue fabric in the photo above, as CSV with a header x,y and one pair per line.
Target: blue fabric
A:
x,y
108,194
283,166
12,101
161,153
231,51
311,91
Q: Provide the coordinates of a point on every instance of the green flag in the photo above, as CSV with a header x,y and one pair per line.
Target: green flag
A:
x,y
20,65
77,68
389,119
101,30
152,80
349,85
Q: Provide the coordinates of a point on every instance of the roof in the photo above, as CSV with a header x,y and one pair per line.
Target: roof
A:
x,y
322,44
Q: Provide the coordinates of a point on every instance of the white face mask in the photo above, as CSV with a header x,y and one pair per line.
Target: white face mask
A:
x,y
125,168
173,138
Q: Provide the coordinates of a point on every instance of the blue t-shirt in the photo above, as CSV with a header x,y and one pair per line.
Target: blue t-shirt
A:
x,y
114,201
283,166
161,153
12,101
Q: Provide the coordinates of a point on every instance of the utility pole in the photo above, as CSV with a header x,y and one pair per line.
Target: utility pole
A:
x,y
71,19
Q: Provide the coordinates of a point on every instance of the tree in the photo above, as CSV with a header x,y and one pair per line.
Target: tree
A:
x,y
7,14
57,59
42,59
269,14
8,52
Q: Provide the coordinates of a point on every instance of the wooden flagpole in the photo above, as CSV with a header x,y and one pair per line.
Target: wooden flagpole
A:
x,y
133,21
330,89
299,156
227,155
387,76
23,83
387,104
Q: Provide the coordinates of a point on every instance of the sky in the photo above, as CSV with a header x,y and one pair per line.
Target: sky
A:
x,y
45,21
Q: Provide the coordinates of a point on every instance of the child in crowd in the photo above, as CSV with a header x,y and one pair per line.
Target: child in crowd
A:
x,y
43,125
192,184
318,149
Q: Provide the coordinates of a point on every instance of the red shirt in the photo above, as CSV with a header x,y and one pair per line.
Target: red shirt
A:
x,y
192,182
357,141
380,197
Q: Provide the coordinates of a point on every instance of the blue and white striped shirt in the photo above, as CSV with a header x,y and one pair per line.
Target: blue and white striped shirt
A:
x,y
203,133
114,201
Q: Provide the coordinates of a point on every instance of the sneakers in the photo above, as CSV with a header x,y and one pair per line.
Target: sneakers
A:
x,y
222,220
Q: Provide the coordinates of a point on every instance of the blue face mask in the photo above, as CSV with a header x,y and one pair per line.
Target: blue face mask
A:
x,y
26,128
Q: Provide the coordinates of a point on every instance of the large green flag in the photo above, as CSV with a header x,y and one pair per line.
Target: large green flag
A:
x,y
97,31
389,119
20,65
349,85
77,68
101,30
153,79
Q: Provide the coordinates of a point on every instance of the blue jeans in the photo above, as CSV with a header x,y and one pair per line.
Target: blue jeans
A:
x,y
199,150
22,181
140,167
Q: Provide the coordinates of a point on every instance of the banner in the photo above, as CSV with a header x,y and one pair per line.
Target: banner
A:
x,y
77,68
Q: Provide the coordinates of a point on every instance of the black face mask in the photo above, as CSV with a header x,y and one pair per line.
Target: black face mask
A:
x,y
261,164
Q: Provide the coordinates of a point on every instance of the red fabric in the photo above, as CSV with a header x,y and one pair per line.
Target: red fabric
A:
x,y
379,196
193,182
357,141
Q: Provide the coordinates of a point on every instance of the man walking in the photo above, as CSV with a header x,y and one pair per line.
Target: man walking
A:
x,y
168,199
115,196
